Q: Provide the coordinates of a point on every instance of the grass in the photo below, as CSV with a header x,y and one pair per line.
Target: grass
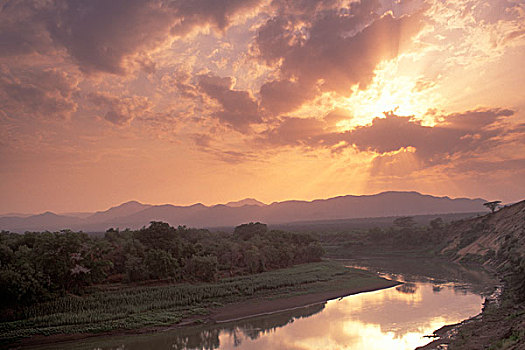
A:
x,y
108,308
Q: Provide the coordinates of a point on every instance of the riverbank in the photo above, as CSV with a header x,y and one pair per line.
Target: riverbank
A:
x,y
499,326
251,308
147,309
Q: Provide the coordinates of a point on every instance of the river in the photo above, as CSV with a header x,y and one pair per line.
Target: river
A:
x,y
394,318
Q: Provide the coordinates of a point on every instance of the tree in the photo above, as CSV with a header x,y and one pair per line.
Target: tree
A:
x,y
202,268
437,230
135,269
376,234
160,264
404,222
247,231
492,205
160,235
437,224
254,260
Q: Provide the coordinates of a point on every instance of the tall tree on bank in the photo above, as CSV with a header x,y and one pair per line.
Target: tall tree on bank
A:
x,y
492,205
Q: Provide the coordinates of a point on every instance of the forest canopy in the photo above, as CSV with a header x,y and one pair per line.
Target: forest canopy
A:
x,y
37,266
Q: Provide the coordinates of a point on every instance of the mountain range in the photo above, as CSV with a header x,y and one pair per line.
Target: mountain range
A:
x,y
134,215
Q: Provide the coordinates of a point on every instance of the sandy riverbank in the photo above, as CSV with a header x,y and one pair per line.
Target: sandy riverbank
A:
x,y
251,308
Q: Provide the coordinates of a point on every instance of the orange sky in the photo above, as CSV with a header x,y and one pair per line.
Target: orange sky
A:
x,y
211,101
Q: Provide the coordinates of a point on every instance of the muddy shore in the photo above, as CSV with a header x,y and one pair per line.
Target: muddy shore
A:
x,y
448,333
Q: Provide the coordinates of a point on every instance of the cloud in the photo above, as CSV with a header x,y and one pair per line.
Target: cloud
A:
x,y
404,145
108,36
236,157
202,140
120,110
397,139
476,166
179,81
295,132
218,14
37,93
321,45
281,96
21,32
207,144
341,61
459,133
475,119
307,132
238,109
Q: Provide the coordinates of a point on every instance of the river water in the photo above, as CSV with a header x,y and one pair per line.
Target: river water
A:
x,y
393,318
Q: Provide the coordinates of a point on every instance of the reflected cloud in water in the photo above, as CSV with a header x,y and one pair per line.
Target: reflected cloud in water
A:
x,y
394,318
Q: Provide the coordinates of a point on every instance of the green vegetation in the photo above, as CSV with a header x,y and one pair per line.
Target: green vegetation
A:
x,y
69,282
36,267
404,238
125,307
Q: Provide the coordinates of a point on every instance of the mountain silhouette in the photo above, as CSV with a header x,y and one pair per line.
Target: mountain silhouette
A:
x,y
135,215
243,202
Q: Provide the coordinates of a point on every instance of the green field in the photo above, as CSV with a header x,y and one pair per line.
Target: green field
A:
x,y
113,307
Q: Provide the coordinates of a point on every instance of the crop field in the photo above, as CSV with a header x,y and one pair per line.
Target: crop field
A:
x,y
107,308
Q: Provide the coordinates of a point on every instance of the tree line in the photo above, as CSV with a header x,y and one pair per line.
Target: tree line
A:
x,y
37,266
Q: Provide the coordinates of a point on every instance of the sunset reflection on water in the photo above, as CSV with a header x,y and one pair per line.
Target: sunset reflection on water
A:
x,y
395,318
385,319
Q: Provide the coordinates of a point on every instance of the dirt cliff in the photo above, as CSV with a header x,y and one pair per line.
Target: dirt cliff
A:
x,y
492,240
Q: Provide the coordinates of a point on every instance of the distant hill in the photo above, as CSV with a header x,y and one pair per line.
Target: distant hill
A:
x,y
112,213
135,215
20,215
246,201
342,225
40,222
77,214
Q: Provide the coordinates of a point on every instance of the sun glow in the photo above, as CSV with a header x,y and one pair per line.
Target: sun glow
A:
x,y
390,91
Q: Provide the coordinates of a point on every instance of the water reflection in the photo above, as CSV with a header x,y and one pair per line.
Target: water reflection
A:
x,y
432,270
434,294
395,318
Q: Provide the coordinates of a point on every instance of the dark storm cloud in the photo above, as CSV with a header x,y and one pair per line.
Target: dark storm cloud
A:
x,y
107,36
238,108
37,93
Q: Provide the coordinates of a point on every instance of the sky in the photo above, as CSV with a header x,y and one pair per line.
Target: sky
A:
x,y
210,101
